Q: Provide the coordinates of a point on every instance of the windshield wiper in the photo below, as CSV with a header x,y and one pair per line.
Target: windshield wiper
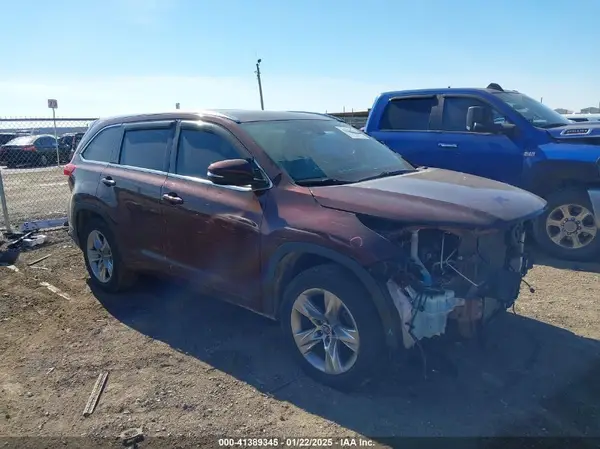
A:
x,y
321,182
385,174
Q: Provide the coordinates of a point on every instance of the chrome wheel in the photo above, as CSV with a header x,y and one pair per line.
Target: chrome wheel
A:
x,y
325,331
571,226
100,256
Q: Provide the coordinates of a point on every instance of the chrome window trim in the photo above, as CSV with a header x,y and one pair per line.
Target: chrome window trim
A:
x,y
139,169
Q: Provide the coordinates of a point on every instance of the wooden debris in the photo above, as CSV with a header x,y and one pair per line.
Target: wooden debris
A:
x,y
55,290
95,395
39,260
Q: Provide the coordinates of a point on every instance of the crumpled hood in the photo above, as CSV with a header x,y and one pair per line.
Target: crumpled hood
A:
x,y
574,131
434,196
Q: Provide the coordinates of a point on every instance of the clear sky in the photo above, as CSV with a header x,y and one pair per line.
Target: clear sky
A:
x,y
117,56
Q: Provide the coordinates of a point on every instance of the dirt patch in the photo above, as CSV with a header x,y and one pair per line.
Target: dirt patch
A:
x,y
185,366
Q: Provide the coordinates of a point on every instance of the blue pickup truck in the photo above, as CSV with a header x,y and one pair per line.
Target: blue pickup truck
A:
x,y
507,136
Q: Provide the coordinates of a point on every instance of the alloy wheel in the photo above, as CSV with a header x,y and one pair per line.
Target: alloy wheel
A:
x,y
325,332
571,226
100,257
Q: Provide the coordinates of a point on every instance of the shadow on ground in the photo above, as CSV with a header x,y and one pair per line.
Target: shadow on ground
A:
x,y
542,259
530,378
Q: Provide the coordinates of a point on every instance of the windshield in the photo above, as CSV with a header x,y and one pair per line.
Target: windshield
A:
x,y
314,150
535,112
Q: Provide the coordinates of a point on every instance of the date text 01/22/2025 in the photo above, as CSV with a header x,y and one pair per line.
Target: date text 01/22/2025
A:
x,y
295,442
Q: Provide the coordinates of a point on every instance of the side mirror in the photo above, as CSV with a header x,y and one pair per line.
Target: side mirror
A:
x,y
231,172
475,119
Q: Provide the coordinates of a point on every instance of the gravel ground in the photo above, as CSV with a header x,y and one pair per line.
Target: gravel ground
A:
x,y
182,365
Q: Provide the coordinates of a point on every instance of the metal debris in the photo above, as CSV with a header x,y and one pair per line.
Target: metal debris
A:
x,y
39,260
44,224
95,395
132,436
55,290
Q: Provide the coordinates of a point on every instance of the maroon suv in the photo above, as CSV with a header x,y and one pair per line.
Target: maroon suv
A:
x,y
304,219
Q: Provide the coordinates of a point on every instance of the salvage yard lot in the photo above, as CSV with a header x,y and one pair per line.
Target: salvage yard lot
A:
x,y
183,365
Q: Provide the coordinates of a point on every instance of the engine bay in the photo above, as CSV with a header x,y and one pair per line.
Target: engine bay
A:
x,y
447,275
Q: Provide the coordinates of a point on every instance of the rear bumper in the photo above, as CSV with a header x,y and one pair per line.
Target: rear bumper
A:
x,y
17,157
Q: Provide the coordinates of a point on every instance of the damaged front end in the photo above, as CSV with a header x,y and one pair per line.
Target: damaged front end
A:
x,y
453,275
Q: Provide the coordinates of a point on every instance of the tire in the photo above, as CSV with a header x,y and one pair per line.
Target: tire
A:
x,y
372,349
575,201
121,278
42,160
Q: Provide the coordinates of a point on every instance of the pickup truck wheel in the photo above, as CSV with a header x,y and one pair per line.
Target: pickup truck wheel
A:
x,y
567,230
102,258
332,328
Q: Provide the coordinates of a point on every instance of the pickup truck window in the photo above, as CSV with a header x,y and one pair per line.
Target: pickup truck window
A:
x,y
454,116
408,114
533,111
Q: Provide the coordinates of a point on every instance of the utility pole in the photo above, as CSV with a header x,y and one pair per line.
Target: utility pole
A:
x,y
262,103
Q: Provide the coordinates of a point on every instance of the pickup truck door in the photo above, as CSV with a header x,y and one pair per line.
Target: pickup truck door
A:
x,y
406,126
497,155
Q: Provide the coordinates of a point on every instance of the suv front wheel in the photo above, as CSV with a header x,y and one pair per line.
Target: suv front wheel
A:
x,y
102,257
332,328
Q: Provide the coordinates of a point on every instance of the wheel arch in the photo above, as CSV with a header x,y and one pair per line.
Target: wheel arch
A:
x,y
551,176
83,213
292,258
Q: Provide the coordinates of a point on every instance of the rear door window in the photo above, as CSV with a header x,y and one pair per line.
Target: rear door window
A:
x,y
408,114
45,142
101,147
146,148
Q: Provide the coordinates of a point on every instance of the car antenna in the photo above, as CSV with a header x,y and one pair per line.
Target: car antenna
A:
x,y
495,86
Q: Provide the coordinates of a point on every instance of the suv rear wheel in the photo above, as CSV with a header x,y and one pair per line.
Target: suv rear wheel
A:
x,y
332,328
102,257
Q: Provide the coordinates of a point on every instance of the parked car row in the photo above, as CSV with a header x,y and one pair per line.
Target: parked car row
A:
x,y
37,149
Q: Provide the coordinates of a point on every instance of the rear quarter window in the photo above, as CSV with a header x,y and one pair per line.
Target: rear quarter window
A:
x,y
101,147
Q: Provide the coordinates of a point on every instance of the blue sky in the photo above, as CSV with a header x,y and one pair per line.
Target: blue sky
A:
x,y
118,56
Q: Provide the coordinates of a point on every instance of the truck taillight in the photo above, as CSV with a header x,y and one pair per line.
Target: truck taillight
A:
x,y
68,169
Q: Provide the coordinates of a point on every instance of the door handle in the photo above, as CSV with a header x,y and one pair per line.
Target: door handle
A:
x,y
447,145
172,198
108,181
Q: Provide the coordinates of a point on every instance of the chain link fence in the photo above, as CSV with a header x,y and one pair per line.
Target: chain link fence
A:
x,y
32,154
